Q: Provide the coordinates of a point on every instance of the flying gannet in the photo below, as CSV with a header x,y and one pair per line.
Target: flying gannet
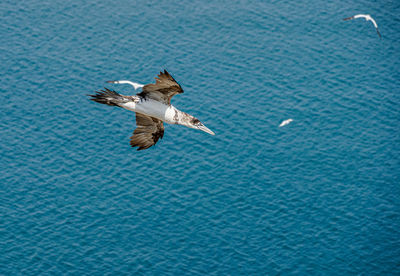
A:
x,y
286,122
152,107
367,17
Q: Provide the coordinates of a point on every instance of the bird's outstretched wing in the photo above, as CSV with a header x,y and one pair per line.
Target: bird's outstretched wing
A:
x,y
378,33
163,90
147,133
134,84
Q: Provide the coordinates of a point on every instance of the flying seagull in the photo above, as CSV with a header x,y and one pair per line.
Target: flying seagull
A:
x,y
134,84
152,107
367,18
286,122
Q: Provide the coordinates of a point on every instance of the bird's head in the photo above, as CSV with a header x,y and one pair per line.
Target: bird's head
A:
x,y
195,123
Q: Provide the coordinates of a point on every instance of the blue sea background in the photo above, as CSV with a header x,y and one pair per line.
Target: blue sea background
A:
x,y
318,196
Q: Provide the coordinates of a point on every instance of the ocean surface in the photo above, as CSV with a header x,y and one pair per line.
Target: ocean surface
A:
x,y
320,196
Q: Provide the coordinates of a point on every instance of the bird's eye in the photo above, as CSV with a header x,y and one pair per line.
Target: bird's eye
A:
x,y
196,121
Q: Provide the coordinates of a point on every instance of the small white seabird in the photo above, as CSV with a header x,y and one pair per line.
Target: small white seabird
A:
x,y
152,107
367,17
286,122
134,84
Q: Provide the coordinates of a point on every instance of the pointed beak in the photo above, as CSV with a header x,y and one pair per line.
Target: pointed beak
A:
x,y
205,129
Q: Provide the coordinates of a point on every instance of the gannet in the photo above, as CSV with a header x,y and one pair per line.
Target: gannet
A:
x,y
367,18
286,122
152,107
134,84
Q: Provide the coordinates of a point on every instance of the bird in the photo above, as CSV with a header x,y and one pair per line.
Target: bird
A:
x,y
153,108
286,122
134,84
367,17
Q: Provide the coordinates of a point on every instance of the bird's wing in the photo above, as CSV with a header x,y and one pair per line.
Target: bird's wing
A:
x,y
378,33
349,18
373,22
163,90
360,15
147,133
134,84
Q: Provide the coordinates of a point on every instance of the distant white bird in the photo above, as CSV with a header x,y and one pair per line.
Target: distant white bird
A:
x,y
286,122
134,84
367,18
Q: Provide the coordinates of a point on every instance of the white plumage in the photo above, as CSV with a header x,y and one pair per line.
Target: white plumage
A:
x,y
286,122
134,84
367,17
152,108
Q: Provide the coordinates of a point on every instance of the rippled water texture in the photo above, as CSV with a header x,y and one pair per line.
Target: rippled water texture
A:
x,y
317,196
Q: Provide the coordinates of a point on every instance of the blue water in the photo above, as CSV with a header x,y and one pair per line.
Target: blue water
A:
x,y
318,196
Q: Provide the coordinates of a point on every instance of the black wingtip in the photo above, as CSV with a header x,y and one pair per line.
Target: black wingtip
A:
x,y
165,73
379,33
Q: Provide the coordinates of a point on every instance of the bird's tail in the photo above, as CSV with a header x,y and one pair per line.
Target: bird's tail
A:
x,y
108,97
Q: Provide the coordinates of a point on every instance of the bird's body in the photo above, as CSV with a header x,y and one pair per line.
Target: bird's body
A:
x,y
286,122
152,107
367,17
166,113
